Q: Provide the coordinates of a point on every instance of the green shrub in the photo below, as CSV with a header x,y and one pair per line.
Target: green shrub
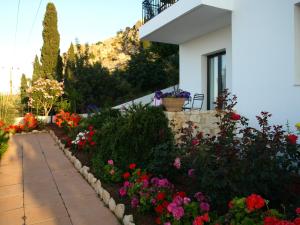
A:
x,y
136,136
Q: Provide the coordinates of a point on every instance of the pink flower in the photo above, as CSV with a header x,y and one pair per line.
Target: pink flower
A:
x,y
178,200
110,162
134,202
171,207
153,201
145,183
122,191
112,172
126,183
191,172
178,212
199,196
298,211
204,206
186,200
177,163
167,223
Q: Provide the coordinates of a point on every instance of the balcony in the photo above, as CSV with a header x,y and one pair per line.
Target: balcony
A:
x,y
151,8
177,22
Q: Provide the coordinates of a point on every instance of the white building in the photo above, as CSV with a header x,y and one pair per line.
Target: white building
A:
x,y
251,47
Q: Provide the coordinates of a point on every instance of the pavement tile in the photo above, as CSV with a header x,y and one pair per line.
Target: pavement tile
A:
x,y
11,190
55,221
10,203
44,213
13,217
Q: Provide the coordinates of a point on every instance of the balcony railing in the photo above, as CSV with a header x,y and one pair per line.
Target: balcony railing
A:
x,y
151,8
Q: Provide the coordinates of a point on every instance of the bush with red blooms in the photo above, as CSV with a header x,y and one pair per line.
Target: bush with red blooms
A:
x,y
3,138
253,210
158,195
84,139
240,159
67,120
28,123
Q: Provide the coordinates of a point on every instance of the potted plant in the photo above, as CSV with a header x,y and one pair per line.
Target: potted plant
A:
x,y
173,101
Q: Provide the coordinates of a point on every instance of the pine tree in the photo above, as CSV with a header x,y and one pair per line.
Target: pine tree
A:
x,y
36,69
50,49
23,88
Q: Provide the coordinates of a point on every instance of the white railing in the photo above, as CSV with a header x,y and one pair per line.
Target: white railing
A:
x,y
148,99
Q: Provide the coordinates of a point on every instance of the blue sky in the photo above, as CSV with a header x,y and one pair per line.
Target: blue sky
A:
x,y
88,20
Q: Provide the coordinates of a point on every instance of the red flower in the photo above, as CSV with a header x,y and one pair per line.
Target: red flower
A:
x,y
160,196
230,204
132,166
93,143
298,210
297,221
138,172
159,209
195,142
158,220
254,201
165,204
182,194
144,177
292,139
235,116
270,220
126,175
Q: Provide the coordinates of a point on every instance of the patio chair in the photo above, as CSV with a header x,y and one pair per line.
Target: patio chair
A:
x,y
198,101
195,103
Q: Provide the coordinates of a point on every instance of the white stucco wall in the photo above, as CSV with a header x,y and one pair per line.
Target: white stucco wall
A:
x,y
263,58
193,60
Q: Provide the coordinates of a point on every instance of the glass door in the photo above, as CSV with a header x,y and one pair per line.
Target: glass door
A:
x,y
216,77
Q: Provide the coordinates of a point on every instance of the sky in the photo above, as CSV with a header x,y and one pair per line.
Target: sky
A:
x,y
89,21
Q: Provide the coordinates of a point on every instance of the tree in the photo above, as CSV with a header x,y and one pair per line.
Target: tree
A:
x,y
45,93
36,69
50,49
23,89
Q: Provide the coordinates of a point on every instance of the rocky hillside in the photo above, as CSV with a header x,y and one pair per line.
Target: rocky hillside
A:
x,y
115,52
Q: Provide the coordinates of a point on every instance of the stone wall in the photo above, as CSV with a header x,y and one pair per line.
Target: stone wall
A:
x,y
204,120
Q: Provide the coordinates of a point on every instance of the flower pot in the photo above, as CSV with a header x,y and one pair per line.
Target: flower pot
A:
x,y
173,104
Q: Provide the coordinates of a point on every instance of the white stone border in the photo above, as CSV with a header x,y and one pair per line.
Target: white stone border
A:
x,y
117,209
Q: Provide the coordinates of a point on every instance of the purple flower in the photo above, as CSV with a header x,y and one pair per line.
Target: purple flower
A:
x,y
177,163
134,202
199,196
191,172
178,212
204,206
186,200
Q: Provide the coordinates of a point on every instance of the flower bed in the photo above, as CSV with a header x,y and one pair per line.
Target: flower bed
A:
x,y
192,183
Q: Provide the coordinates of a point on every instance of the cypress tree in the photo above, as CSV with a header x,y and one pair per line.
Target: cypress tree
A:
x,y
36,69
50,49
70,63
23,88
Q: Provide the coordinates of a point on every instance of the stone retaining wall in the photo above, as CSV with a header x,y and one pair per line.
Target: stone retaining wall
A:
x,y
204,120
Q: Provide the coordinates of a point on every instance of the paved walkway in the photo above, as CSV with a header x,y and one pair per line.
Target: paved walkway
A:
x,y
38,185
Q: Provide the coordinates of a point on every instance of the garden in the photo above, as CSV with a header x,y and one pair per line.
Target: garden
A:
x,y
242,175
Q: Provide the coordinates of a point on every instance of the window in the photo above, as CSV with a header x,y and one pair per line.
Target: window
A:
x,y
297,42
